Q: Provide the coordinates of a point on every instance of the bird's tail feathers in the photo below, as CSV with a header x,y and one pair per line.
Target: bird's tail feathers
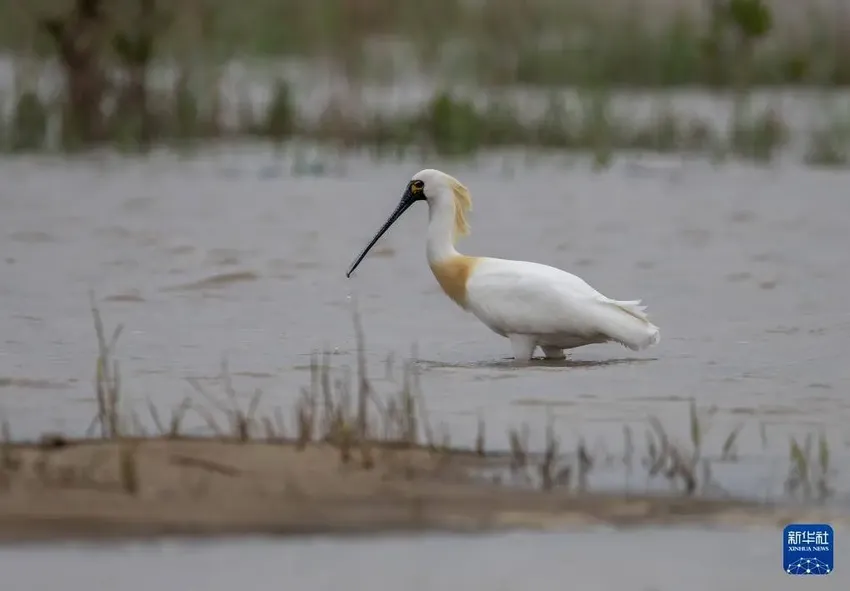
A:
x,y
632,307
629,325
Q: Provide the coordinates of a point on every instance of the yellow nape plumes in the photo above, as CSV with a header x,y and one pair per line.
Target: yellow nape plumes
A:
x,y
463,204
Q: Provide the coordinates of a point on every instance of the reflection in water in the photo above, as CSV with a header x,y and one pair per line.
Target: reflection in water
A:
x,y
536,362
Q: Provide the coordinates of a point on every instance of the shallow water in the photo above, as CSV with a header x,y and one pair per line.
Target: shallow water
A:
x,y
644,560
230,253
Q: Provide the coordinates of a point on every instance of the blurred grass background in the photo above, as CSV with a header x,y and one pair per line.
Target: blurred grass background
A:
x,y
157,72
648,43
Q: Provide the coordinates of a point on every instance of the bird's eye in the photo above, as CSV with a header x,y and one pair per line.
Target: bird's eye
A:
x,y
417,186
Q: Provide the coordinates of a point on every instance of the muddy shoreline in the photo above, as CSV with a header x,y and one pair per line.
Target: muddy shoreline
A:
x,y
146,488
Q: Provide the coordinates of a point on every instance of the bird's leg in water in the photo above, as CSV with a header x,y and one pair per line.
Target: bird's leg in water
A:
x,y
523,346
554,353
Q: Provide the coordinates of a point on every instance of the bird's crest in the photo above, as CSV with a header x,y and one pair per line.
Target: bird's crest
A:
x,y
463,204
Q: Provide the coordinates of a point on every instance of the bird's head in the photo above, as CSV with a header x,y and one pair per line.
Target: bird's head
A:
x,y
439,190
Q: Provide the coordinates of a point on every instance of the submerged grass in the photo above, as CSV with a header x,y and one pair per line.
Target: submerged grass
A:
x,y
829,141
454,126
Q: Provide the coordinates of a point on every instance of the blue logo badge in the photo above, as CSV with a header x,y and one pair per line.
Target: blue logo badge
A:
x,y
808,549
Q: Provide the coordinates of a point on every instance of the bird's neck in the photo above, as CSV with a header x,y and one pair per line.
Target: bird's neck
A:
x,y
441,231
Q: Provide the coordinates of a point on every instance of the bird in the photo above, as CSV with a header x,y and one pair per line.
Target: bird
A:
x,y
531,304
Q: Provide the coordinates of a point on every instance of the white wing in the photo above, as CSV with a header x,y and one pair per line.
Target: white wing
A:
x,y
529,298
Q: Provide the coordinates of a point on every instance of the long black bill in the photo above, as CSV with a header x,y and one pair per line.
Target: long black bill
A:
x,y
407,200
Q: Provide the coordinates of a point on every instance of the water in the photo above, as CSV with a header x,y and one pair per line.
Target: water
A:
x,y
646,560
229,254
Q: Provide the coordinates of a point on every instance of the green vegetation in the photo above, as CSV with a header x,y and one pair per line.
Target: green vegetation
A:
x,y
446,125
110,54
647,43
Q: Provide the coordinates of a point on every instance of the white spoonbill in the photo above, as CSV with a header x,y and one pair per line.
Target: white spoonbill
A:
x,y
531,304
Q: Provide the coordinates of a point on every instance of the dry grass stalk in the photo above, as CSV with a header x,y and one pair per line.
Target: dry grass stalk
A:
x,y
9,461
107,376
324,414
585,465
730,451
363,389
807,475
346,440
306,414
479,438
549,457
367,461
128,468
518,444
629,447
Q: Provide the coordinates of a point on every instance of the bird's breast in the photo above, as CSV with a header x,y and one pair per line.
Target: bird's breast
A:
x,y
452,274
